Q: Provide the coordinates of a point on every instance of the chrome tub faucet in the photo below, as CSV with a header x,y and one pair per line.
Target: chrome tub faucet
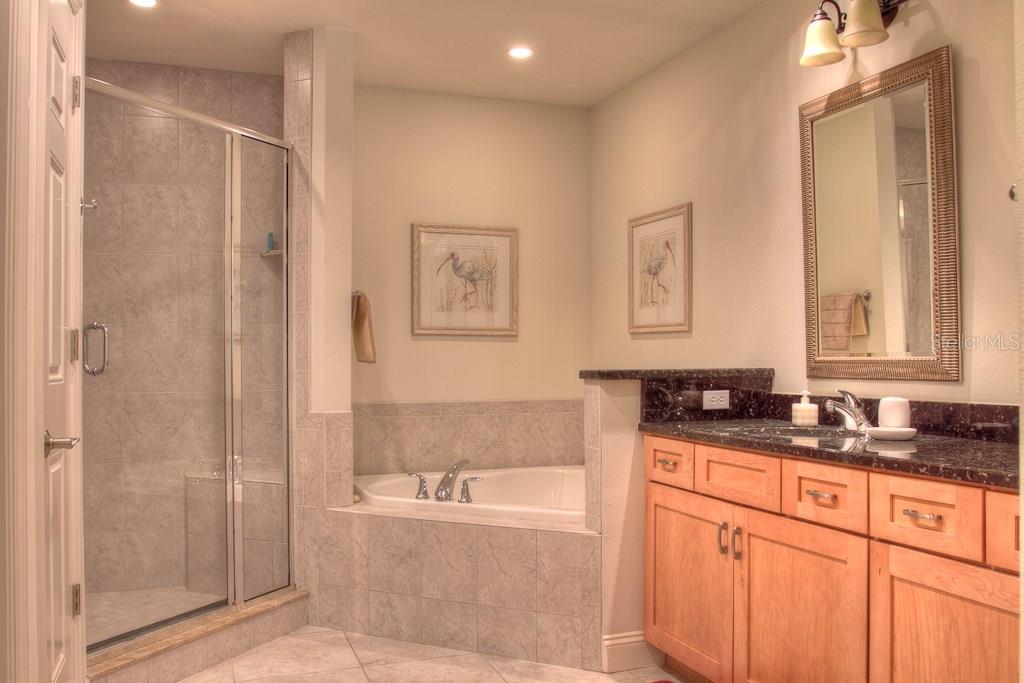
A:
x,y
444,489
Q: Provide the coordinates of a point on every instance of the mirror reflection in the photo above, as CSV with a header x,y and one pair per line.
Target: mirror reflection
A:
x,y
874,241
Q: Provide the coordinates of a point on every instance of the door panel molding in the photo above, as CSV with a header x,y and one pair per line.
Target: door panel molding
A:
x,y
26,352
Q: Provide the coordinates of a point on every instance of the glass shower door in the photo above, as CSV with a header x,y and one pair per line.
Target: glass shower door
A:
x,y
261,422
154,390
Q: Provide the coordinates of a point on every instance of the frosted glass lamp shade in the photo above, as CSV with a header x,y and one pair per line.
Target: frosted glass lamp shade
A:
x,y
864,25
821,46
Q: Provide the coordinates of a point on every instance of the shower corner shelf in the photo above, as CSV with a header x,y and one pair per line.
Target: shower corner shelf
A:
x,y
271,253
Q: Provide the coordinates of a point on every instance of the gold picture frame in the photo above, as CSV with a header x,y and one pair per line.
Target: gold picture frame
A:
x,y
465,280
660,271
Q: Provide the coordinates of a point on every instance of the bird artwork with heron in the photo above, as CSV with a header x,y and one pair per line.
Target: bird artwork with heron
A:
x,y
477,277
655,253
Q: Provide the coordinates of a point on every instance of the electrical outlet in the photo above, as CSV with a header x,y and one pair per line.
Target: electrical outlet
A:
x,y
716,400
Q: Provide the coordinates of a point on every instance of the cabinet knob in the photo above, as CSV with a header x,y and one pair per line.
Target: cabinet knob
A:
x,y
666,463
723,529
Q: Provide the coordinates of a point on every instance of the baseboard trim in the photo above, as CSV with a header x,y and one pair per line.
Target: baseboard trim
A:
x,y
629,650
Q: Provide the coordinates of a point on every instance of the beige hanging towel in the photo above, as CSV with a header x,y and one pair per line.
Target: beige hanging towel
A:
x,y
362,329
842,316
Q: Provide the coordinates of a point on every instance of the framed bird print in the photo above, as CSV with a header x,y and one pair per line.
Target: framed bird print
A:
x,y
464,280
659,271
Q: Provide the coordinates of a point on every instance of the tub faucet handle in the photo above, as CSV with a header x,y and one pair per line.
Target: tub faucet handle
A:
x,y
464,497
421,491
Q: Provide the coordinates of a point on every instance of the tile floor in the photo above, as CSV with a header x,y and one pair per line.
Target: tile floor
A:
x,y
112,613
320,655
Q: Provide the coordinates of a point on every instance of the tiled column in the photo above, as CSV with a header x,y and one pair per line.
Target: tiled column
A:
x,y
321,443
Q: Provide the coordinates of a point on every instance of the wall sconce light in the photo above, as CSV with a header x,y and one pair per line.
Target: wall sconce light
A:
x,y
862,26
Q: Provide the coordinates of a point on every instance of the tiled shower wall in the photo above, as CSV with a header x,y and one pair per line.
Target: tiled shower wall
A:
x,y
154,272
428,437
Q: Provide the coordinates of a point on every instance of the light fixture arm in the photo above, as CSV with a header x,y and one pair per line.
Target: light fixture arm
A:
x,y
888,8
822,14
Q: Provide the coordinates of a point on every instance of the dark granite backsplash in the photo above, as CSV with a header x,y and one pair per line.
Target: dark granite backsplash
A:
x,y
669,397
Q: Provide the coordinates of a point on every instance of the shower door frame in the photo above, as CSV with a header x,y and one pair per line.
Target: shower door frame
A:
x,y
233,224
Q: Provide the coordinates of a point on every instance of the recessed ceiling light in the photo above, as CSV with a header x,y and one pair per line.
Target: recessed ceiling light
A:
x,y
143,3
520,52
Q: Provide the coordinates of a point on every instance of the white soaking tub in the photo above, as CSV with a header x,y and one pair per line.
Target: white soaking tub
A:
x,y
542,494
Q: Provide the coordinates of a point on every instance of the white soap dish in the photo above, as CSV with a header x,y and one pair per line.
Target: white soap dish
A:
x,y
892,433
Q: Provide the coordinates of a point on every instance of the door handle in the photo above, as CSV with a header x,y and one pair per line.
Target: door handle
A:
x,y
98,370
51,443
737,550
723,528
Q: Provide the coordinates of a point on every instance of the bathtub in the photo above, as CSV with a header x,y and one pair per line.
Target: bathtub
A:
x,y
549,494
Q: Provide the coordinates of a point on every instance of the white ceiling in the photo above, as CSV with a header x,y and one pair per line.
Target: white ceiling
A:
x,y
584,49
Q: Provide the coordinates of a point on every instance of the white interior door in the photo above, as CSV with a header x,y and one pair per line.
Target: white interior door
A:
x,y
63,646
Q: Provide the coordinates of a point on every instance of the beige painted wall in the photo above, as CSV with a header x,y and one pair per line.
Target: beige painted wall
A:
x,y
423,157
718,126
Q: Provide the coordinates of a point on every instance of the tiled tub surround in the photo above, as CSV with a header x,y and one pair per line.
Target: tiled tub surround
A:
x,y
154,271
428,437
514,592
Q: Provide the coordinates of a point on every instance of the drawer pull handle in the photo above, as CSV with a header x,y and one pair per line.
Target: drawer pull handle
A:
x,y
723,528
822,495
737,550
665,463
923,516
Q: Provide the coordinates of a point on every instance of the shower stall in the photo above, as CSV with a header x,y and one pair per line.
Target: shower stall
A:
x,y
184,347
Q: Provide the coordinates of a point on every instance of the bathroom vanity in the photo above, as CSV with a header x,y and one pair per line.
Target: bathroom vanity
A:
x,y
776,553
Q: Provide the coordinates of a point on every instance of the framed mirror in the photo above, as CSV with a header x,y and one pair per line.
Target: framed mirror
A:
x,y
881,252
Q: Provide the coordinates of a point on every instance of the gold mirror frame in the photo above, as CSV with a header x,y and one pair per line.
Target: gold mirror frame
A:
x,y
935,69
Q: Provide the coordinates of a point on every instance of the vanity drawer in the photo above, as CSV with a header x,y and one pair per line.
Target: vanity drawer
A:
x,y
945,518
669,461
1002,530
744,478
836,496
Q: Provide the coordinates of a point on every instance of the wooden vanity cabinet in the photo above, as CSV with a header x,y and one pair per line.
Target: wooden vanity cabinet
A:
x,y
737,594
740,594
936,619
1002,530
688,579
800,608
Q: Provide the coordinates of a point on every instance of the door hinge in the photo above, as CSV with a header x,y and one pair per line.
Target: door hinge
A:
x,y
76,92
76,599
73,338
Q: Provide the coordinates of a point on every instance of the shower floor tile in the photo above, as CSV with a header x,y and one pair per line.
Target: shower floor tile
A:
x,y
113,613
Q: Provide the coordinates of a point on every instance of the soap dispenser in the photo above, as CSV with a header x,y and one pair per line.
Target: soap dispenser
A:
x,y
805,413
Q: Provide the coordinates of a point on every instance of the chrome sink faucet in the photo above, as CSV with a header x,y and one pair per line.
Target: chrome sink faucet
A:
x,y
447,483
851,407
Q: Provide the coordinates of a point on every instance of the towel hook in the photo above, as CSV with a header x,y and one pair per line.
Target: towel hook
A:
x,y
866,295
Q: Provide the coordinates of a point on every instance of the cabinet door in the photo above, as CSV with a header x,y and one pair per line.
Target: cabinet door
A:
x,y
801,601
688,580
935,619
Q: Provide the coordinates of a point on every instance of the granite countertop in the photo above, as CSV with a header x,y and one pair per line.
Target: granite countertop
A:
x,y
682,375
985,463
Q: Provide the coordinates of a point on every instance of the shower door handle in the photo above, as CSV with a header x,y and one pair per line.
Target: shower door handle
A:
x,y
98,370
